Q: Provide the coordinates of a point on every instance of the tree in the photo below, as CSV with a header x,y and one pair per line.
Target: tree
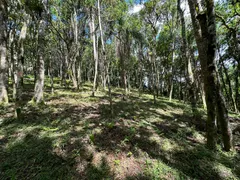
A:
x,y
190,76
228,15
204,26
95,52
41,20
3,52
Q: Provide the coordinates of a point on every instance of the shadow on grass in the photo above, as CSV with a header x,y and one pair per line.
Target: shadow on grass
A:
x,y
101,171
33,157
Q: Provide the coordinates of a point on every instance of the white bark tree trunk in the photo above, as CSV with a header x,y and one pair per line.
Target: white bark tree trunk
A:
x,y
39,86
95,52
3,53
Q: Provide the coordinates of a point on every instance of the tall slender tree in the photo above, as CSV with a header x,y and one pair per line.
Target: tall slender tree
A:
x,y
3,52
204,26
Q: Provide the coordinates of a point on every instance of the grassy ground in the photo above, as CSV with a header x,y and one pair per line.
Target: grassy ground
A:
x,y
73,136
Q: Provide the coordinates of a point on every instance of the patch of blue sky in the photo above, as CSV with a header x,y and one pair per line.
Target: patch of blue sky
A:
x,y
136,1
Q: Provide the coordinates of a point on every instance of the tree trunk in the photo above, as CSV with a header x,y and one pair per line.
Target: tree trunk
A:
x,y
73,75
203,95
38,90
13,65
3,52
105,59
228,81
172,75
95,52
79,75
190,77
237,74
64,70
205,34
20,62
51,76
121,47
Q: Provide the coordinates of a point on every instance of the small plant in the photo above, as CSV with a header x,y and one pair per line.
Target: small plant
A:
x,y
92,138
117,162
86,125
117,151
135,118
110,125
76,152
126,139
129,154
132,130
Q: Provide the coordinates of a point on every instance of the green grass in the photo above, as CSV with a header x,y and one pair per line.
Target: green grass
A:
x,y
73,136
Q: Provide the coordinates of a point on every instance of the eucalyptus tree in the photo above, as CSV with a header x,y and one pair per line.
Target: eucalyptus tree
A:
x,y
3,52
187,58
151,15
65,26
228,16
105,66
122,42
204,25
39,11
92,28
19,51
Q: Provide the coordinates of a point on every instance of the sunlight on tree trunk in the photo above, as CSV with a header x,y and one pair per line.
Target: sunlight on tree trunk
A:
x,y
205,34
95,53
3,53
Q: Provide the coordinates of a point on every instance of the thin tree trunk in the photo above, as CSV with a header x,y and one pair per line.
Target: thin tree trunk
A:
x,y
20,62
73,75
64,70
203,95
13,65
3,52
38,90
121,47
95,52
172,71
237,74
190,77
230,91
105,59
51,76
79,75
152,61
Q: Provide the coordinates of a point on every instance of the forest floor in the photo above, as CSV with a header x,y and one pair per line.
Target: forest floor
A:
x,y
73,136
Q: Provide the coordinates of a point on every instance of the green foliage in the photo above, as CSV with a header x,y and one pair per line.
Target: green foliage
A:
x,y
110,125
160,170
117,162
129,154
92,138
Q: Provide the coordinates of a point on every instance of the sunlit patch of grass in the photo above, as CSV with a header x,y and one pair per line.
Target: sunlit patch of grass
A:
x,y
159,170
168,145
147,96
223,171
